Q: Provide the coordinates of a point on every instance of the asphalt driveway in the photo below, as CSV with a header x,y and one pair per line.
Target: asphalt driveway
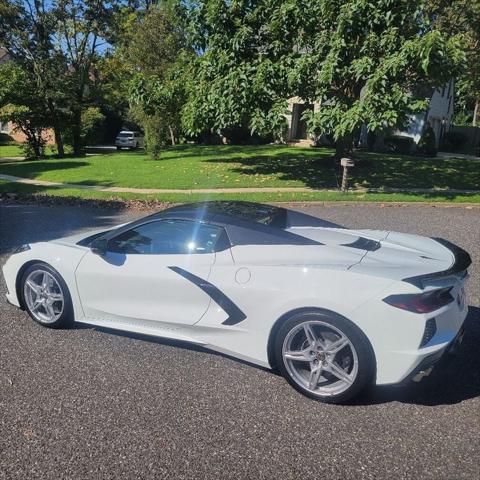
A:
x,y
90,403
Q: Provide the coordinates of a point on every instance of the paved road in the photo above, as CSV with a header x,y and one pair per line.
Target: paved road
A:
x,y
89,403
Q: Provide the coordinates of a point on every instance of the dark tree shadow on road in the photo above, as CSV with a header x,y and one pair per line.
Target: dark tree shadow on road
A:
x,y
29,223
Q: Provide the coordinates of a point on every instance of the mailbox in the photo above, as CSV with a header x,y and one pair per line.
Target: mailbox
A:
x,y
347,162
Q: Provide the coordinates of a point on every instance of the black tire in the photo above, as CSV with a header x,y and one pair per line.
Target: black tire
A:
x,y
365,356
66,317
119,148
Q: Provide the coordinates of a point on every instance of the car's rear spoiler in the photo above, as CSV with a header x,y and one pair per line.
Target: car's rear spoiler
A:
x,y
461,262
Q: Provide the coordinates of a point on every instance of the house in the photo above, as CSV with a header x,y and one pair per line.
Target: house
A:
x,y
439,115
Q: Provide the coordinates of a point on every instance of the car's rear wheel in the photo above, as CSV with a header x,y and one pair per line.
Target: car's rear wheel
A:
x,y
324,356
45,296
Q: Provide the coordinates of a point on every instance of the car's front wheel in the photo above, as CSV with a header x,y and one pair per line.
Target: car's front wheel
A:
x,y
324,356
46,296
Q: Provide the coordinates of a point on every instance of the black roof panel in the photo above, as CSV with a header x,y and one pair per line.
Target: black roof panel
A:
x,y
246,223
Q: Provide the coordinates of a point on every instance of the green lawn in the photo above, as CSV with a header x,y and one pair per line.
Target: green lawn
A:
x,y
252,197
10,150
186,167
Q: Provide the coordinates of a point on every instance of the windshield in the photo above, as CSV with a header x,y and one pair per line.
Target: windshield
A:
x,y
125,135
257,212
86,242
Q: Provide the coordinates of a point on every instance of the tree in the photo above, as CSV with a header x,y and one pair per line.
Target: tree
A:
x,y
22,106
82,27
57,42
27,31
242,76
462,19
362,61
157,55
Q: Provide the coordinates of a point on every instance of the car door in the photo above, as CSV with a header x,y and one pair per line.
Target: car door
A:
x,y
150,274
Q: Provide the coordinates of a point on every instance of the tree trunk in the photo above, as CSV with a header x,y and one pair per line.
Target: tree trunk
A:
x,y
56,128
172,135
34,143
475,113
59,141
344,146
76,132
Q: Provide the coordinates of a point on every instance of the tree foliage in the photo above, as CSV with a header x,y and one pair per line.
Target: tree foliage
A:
x,y
363,61
21,105
158,56
461,18
57,43
227,66
242,76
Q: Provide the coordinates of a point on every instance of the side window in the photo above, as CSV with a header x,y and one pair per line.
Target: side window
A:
x,y
170,237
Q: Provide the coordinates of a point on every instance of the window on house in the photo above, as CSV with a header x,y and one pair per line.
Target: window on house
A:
x,y
4,127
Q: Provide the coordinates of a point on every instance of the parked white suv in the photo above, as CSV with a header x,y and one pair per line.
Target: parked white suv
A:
x,y
129,139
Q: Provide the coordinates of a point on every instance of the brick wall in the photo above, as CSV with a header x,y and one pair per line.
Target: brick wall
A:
x,y
18,136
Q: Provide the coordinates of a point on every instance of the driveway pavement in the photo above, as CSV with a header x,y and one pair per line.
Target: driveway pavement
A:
x,y
90,403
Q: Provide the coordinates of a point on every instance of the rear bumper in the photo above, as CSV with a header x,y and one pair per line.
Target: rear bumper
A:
x,y
435,360
402,353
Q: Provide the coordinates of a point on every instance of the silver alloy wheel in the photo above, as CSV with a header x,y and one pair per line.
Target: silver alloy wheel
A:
x,y
43,296
320,358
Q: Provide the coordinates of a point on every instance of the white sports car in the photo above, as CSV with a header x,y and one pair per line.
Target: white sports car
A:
x,y
333,309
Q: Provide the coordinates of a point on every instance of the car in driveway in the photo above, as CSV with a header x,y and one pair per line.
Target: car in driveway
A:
x,y
333,309
129,139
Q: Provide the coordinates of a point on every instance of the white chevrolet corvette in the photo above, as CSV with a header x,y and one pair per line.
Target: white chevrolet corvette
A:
x,y
333,309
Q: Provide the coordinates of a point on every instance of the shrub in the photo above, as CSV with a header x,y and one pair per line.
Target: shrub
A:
x,y
399,144
92,120
6,139
34,148
427,144
155,136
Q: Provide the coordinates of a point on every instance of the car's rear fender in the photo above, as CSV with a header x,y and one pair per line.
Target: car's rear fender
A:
x,y
273,293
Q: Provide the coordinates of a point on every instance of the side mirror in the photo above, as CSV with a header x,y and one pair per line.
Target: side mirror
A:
x,y
99,246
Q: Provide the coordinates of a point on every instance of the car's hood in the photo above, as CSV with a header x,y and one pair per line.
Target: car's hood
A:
x,y
73,240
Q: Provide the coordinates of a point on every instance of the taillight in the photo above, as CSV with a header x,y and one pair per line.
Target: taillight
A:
x,y
421,302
